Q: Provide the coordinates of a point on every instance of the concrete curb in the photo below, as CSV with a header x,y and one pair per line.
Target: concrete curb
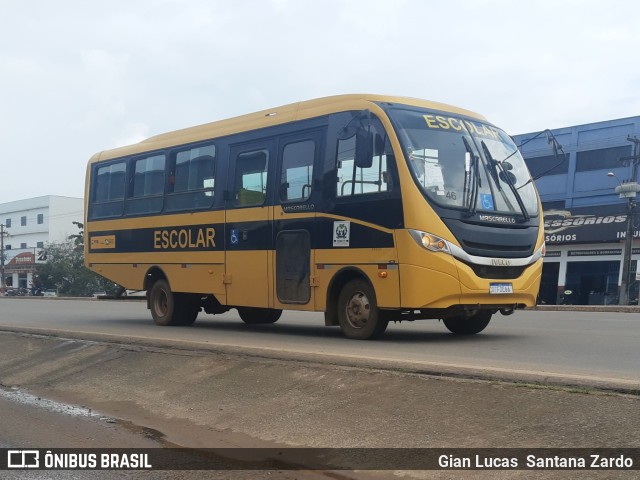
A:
x,y
588,308
198,399
80,299
427,369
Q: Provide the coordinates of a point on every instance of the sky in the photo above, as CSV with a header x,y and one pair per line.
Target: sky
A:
x,y
78,77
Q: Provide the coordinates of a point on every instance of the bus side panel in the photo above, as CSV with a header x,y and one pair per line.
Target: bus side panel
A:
x,y
203,279
371,261
247,278
387,287
129,276
427,279
194,272
424,287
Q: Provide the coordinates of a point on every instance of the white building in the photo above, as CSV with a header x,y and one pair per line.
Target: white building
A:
x,y
29,225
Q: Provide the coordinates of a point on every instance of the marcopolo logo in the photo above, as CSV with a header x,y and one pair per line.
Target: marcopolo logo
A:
x,y
23,459
495,218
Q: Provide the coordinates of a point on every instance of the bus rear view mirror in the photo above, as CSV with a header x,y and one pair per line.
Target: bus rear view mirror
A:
x,y
358,121
364,148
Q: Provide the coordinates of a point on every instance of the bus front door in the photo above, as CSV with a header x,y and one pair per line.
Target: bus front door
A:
x,y
249,226
294,219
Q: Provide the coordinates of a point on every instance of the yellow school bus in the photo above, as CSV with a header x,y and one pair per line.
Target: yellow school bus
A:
x,y
368,208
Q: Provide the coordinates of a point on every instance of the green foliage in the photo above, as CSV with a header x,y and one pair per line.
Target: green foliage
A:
x,y
65,269
78,238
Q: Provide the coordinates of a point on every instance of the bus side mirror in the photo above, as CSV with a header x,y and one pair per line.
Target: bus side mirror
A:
x,y
364,148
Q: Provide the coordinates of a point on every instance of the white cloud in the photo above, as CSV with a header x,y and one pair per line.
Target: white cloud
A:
x,y
78,77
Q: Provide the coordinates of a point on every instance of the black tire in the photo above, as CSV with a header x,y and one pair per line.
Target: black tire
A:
x,y
468,326
169,309
188,307
358,313
257,316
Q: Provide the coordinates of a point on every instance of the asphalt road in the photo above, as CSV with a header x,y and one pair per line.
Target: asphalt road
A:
x,y
195,387
583,346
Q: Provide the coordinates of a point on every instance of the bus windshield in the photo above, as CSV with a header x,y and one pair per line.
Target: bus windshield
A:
x,y
465,164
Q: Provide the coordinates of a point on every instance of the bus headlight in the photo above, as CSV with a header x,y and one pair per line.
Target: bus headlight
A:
x,y
430,241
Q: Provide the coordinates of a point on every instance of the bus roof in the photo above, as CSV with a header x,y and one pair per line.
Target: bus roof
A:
x,y
270,117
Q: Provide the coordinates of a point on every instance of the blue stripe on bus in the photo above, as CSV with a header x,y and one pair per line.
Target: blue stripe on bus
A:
x,y
259,235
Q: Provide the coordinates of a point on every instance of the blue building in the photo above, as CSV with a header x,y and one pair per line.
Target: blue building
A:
x,y
585,220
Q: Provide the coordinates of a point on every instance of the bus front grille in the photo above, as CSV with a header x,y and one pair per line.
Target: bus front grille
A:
x,y
497,273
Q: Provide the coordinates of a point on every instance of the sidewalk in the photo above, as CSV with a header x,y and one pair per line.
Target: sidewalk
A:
x,y
589,308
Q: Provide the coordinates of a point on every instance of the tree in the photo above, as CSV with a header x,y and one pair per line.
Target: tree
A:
x,y
78,238
65,269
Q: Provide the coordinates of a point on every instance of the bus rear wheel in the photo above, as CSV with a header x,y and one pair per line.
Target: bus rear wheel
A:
x,y
188,308
170,309
468,326
257,316
358,313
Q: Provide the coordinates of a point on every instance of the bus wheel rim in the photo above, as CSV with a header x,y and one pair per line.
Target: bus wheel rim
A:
x,y
358,310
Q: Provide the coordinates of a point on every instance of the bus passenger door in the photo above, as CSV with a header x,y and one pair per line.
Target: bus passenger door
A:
x,y
248,228
294,220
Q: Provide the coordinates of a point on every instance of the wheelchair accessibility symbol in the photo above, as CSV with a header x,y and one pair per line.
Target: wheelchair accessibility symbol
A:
x,y
486,199
234,236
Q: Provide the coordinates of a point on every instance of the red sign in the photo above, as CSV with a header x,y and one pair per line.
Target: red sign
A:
x,y
24,258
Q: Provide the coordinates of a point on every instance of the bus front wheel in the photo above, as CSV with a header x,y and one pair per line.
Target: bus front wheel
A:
x,y
468,326
358,313
256,316
170,309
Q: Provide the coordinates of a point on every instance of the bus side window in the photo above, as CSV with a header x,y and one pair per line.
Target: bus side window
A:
x,y
251,178
108,190
147,185
352,180
297,171
192,179
148,178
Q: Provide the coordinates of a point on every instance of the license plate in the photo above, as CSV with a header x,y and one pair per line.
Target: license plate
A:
x,y
500,288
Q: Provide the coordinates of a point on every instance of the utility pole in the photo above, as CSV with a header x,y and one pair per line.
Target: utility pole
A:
x,y
628,247
2,234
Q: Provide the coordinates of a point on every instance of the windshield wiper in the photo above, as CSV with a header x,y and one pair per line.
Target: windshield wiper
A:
x,y
504,175
472,177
